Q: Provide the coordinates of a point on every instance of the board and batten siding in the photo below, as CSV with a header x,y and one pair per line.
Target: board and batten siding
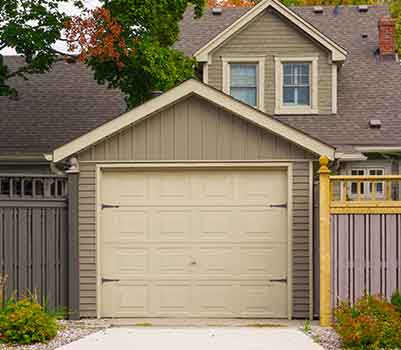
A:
x,y
194,129
271,35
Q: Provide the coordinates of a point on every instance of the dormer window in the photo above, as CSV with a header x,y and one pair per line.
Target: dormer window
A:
x,y
243,79
296,85
244,83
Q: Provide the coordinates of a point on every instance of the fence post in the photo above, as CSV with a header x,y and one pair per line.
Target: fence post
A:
x,y
325,263
73,243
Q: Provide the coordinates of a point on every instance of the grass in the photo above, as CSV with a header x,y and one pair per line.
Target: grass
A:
x,y
143,324
266,325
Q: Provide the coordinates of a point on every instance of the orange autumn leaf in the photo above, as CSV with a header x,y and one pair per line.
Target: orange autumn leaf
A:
x,y
96,34
229,3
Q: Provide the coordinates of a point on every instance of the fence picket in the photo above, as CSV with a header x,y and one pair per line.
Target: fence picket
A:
x,y
34,238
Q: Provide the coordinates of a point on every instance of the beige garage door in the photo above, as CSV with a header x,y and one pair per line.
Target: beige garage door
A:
x,y
194,243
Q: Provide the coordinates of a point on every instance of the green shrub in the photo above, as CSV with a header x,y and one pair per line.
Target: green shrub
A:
x,y
26,322
372,323
396,300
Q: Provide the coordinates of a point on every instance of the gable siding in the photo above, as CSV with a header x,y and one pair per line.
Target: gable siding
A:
x,y
194,130
272,35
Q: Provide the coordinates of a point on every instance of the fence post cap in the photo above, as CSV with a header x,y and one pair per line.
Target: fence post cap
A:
x,y
324,162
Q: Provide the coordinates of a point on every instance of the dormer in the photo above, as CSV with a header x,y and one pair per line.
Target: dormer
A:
x,y
273,60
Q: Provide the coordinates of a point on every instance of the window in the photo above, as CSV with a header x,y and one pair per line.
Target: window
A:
x,y
366,188
243,82
243,79
296,84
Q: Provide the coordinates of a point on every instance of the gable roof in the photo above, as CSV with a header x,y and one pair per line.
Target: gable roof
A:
x,y
193,87
59,106
337,52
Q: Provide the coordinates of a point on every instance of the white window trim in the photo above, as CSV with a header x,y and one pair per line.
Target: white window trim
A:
x,y
334,88
280,108
366,187
260,84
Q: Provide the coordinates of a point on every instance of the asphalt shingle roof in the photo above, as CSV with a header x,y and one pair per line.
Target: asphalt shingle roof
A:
x,y
57,107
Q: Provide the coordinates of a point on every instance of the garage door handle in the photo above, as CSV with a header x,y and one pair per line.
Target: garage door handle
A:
x,y
280,280
104,280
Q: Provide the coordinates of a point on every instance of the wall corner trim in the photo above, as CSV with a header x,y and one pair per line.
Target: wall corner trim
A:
x,y
73,246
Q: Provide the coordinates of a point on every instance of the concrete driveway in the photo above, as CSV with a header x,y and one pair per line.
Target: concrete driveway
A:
x,y
230,338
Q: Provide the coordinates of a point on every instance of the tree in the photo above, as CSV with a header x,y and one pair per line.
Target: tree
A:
x,y
129,45
30,27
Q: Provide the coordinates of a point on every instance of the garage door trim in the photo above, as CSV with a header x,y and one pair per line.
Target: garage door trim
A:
x,y
100,168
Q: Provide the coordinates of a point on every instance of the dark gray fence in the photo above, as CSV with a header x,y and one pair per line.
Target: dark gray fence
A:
x,y
366,255
34,237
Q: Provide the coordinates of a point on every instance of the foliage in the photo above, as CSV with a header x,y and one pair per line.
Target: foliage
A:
x,y
372,323
128,44
395,8
30,27
396,300
231,3
307,326
26,322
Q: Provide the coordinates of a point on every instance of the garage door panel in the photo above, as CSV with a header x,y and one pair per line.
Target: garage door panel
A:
x,y
260,187
261,224
194,243
171,298
173,224
214,224
212,187
120,225
171,187
124,299
172,260
253,296
120,260
268,261
215,298
126,187
212,260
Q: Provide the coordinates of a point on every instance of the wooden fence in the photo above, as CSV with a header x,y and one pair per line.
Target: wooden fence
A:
x,y
34,238
359,238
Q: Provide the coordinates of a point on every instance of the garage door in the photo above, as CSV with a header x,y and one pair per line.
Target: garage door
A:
x,y
194,243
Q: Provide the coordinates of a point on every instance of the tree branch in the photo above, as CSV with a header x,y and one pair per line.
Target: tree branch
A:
x,y
69,55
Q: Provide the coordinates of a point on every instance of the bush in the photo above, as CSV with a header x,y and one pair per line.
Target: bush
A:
x,y
26,322
396,300
372,323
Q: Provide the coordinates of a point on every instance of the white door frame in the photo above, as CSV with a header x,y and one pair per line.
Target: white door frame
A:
x,y
195,165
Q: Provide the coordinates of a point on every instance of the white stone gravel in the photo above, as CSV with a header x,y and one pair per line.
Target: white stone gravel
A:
x,y
69,331
326,337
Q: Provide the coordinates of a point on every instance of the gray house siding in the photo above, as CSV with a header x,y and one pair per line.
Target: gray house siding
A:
x,y
271,35
194,130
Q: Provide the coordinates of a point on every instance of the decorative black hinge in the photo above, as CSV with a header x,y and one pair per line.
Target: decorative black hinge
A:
x,y
280,280
284,205
104,280
108,206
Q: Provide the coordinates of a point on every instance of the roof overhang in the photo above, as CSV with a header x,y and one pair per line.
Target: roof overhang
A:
x,y
193,87
349,157
378,149
338,53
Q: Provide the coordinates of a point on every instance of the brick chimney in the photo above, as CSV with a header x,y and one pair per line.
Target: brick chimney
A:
x,y
386,36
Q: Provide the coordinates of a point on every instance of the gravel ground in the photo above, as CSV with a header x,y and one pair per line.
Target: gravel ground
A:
x,y
69,331
325,337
